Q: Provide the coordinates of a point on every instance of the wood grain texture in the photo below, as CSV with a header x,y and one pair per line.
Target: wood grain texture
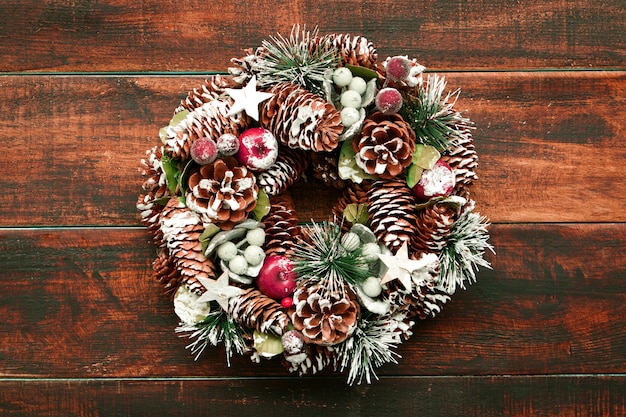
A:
x,y
549,144
563,396
169,35
81,303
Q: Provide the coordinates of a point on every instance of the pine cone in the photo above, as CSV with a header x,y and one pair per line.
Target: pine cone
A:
x,y
281,227
422,302
212,88
287,169
244,67
325,168
256,310
167,274
354,50
155,184
301,119
434,224
209,120
386,145
463,160
317,358
392,213
150,213
222,193
181,229
324,319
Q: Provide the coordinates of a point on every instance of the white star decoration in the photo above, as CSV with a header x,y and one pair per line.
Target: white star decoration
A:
x,y
400,266
218,290
248,99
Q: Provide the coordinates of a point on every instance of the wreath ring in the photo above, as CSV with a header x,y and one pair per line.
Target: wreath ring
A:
x,y
341,294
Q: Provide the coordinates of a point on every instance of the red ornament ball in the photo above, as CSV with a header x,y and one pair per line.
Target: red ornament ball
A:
x,y
436,182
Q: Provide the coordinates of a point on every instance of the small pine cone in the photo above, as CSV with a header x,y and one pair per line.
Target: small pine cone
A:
x,y
353,194
463,160
256,310
287,169
244,68
300,119
150,213
326,168
434,224
209,120
423,302
222,193
181,229
151,168
317,358
167,274
354,50
391,209
324,319
386,145
281,227
212,88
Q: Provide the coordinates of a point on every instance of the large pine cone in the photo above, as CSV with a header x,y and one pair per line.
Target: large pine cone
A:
x,y
354,50
393,217
222,193
435,222
386,145
463,160
212,88
209,120
181,229
301,119
256,310
281,227
287,169
324,318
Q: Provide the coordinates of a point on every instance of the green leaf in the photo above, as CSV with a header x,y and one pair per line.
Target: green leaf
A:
x,y
413,175
262,206
179,117
170,167
348,168
363,72
356,213
209,231
425,156
182,177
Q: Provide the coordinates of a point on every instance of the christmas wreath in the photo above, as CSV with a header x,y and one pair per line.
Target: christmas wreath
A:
x,y
339,294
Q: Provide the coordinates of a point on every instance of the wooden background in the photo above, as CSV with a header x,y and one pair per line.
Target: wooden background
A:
x,y
84,329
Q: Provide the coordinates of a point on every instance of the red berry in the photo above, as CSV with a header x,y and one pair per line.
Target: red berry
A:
x,y
388,101
398,68
204,151
286,302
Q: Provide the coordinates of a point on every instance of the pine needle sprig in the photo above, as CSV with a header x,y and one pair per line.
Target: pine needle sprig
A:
x,y
218,326
297,59
370,347
467,243
324,261
432,116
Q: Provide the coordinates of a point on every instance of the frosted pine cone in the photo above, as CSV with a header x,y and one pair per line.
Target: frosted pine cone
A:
x,y
245,67
222,193
324,319
434,222
281,227
386,145
301,119
151,168
150,212
287,169
354,50
423,302
392,213
212,88
463,160
209,120
256,310
317,358
181,229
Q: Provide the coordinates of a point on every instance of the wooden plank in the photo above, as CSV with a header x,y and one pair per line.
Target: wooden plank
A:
x,y
549,146
81,302
564,396
201,36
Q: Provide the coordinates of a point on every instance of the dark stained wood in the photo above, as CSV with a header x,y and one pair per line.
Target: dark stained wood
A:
x,y
563,396
81,303
170,35
549,146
